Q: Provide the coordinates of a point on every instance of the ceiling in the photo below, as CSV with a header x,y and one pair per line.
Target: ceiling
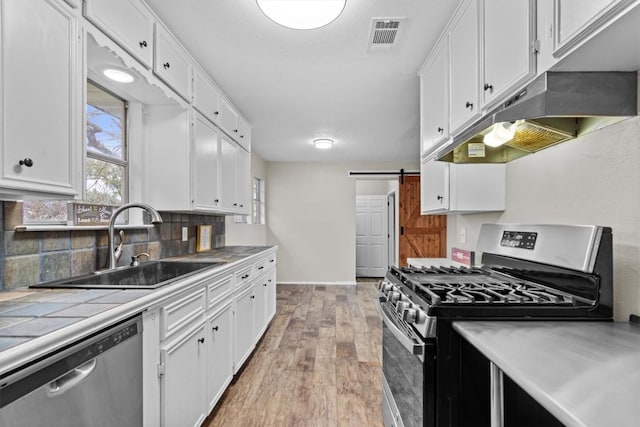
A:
x,y
297,85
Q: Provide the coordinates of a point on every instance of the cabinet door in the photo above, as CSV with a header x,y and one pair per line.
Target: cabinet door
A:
x,y
243,182
227,174
183,383
463,42
220,355
260,307
243,327
172,63
41,99
244,134
205,97
228,118
271,294
434,100
434,186
127,22
205,163
509,60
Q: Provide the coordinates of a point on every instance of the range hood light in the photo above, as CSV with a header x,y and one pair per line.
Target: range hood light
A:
x,y
500,134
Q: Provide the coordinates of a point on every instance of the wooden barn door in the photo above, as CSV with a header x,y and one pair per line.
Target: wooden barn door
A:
x,y
419,236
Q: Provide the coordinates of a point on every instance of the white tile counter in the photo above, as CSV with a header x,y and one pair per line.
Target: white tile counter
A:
x,y
584,373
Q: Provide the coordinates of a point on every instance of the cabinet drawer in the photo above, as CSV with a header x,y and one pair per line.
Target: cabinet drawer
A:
x,y
218,289
182,312
261,265
243,276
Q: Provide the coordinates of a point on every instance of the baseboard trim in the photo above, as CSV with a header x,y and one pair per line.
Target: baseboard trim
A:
x,y
319,283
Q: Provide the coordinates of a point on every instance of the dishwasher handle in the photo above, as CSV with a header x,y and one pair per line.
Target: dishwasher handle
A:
x,y
71,379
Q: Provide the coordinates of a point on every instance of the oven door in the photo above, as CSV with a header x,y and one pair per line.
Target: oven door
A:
x,y
408,367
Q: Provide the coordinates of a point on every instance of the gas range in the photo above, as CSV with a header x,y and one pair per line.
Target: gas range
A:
x,y
542,272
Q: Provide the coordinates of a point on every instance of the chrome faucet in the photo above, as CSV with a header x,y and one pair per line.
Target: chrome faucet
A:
x,y
134,259
155,219
120,248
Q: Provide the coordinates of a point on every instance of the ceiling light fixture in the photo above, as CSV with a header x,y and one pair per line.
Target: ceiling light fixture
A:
x,y
323,143
302,14
118,75
501,133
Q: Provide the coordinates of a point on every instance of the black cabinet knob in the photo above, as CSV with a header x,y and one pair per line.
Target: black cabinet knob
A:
x,y
469,105
201,340
215,328
235,204
253,297
143,43
26,162
216,112
440,197
166,65
265,285
217,200
245,276
235,130
487,87
440,130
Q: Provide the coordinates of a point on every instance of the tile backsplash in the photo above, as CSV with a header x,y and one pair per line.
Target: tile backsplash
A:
x,y
38,256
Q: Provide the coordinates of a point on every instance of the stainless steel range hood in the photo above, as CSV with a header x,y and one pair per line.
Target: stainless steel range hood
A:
x,y
555,107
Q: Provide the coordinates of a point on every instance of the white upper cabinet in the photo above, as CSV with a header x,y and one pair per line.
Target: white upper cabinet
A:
x,y
41,92
244,134
227,174
434,98
205,96
228,118
128,22
461,188
463,42
243,182
172,62
205,161
508,45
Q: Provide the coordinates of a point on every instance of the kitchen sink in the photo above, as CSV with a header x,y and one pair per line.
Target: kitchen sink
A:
x,y
149,275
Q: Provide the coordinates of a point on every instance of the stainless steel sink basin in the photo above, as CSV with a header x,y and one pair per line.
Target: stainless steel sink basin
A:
x,y
149,275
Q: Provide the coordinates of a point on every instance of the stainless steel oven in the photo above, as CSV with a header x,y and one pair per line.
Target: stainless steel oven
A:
x,y
431,376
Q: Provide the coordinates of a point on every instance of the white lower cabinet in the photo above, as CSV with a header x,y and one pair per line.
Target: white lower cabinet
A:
x,y
183,382
244,319
197,340
220,353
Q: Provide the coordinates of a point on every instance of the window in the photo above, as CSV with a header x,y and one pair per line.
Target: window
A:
x,y
106,162
257,205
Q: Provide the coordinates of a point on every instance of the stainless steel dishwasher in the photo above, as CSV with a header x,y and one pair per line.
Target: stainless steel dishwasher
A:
x,y
94,382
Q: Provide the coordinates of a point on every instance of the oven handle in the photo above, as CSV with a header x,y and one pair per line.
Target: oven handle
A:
x,y
417,349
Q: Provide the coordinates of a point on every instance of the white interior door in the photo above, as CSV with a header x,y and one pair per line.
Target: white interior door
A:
x,y
371,236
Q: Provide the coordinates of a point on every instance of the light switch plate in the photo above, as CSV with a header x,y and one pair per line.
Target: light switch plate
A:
x,y
185,234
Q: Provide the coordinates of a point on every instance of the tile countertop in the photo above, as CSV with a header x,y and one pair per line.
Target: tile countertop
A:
x,y
584,373
34,322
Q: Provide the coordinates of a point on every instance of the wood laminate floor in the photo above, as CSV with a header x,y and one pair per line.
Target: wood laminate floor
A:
x,y
318,364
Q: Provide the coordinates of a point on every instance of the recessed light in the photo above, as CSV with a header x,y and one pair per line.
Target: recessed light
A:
x,y
118,75
323,143
302,14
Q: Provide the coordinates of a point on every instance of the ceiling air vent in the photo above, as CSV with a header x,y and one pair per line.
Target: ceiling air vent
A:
x,y
384,32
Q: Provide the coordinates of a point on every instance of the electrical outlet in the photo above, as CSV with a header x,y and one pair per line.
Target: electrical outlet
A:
x,y
185,234
463,235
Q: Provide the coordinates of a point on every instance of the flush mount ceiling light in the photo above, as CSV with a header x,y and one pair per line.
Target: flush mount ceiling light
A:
x,y
501,133
323,143
118,75
302,14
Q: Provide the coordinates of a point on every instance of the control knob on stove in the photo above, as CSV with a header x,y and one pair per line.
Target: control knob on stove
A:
x,y
410,315
394,297
401,306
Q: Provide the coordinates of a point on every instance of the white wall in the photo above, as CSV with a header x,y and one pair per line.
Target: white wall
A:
x,y
249,234
372,187
311,217
594,179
